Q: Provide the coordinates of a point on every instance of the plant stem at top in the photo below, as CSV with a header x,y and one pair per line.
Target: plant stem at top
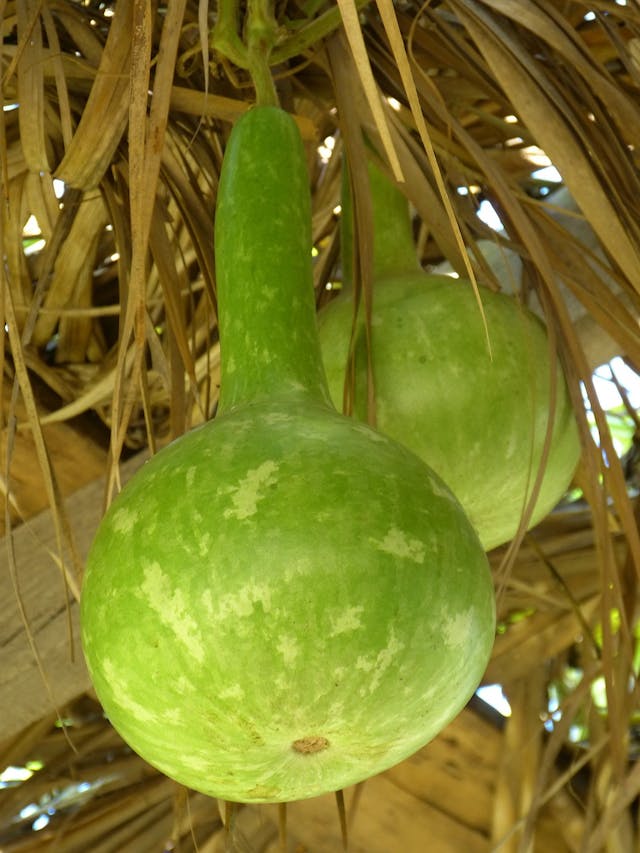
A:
x,y
262,29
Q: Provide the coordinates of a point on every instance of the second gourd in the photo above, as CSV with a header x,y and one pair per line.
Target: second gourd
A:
x,y
478,420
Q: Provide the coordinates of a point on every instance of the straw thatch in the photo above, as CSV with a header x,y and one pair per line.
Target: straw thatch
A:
x,y
114,124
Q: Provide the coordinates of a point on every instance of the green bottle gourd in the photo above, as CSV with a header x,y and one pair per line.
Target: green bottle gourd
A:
x,y
479,419
282,602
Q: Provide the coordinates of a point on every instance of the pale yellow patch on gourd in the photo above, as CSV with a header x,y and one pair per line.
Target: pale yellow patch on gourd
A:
x,y
207,602
124,520
347,620
191,476
275,418
297,568
335,713
233,692
281,682
457,629
170,605
247,494
121,689
379,664
183,685
339,673
289,648
243,602
204,544
400,544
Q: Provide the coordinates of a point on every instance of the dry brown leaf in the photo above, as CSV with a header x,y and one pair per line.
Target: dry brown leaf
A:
x,y
544,109
94,142
547,23
33,131
392,29
66,121
72,280
349,13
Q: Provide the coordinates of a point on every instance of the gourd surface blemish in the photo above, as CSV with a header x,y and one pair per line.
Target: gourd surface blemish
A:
x,y
282,602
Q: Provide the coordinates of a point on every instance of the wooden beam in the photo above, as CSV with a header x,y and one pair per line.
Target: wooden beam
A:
x,y
44,673
77,459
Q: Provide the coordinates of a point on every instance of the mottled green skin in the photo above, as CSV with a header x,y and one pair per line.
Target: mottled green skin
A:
x,y
283,573
478,420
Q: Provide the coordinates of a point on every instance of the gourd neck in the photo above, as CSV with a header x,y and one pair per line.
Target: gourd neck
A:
x,y
269,343
394,250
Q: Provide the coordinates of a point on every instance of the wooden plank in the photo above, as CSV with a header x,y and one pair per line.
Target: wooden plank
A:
x,y
384,812
76,458
538,638
51,614
456,772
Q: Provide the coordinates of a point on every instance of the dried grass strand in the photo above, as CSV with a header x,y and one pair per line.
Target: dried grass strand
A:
x,y
31,118
392,29
94,143
353,31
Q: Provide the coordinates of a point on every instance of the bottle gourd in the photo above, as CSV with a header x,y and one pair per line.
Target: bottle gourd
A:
x,y
478,418
282,602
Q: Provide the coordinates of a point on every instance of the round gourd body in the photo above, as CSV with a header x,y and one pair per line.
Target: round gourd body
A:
x,y
282,603
478,419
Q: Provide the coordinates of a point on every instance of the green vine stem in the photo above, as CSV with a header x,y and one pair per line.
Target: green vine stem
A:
x,y
262,30
309,34
254,56
267,43
225,34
